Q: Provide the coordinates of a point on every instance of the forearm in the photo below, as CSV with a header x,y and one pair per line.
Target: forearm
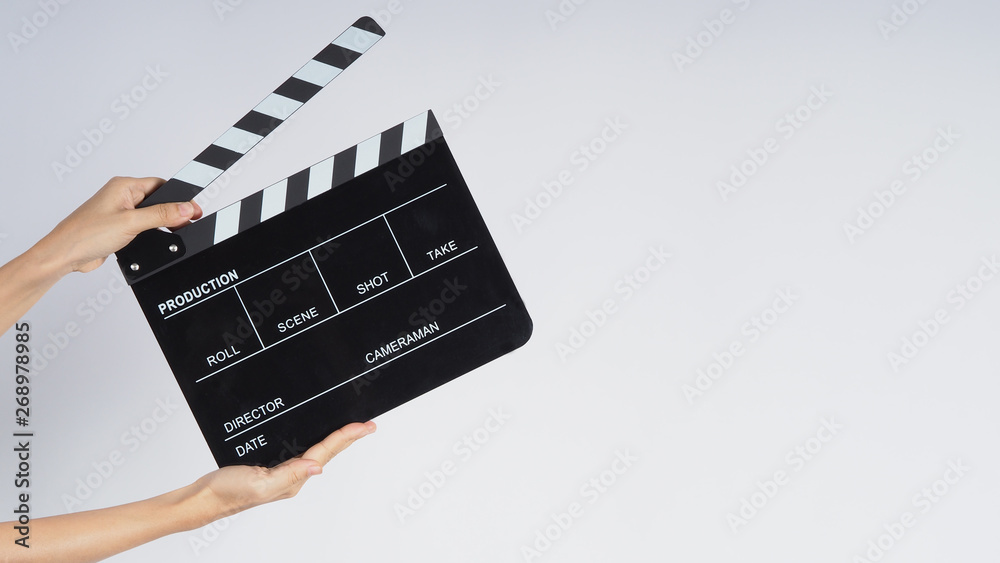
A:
x,y
97,534
25,279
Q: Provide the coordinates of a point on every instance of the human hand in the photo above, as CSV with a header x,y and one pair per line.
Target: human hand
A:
x,y
94,535
110,220
236,488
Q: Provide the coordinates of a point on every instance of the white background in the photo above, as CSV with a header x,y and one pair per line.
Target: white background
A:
x,y
656,185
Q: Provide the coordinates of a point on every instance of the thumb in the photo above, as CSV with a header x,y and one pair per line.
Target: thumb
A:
x,y
289,477
163,215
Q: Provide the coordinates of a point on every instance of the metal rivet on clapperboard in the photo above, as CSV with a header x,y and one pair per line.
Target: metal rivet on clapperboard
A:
x,y
172,248
135,267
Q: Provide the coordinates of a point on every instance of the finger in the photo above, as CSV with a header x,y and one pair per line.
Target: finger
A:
x,y
140,188
337,442
162,215
197,211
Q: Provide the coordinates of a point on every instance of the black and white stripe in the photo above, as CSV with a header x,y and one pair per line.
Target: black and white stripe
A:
x,y
309,183
271,112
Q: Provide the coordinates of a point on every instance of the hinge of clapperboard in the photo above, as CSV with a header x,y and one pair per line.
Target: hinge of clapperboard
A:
x,y
154,250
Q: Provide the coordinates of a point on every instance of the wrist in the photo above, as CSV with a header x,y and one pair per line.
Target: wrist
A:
x,y
195,506
47,260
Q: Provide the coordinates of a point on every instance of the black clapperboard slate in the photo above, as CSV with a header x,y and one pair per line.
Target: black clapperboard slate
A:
x,y
334,295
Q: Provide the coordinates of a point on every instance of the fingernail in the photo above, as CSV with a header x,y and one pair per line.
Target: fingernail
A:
x,y
369,427
185,208
314,470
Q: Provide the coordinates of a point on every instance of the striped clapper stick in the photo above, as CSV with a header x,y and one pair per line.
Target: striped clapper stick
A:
x,y
332,296
271,112
311,182
265,117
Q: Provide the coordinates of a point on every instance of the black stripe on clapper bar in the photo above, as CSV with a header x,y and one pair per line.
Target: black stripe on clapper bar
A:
x,y
271,112
311,182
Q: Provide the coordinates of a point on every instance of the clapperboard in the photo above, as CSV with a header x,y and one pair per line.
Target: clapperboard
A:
x,y
330,297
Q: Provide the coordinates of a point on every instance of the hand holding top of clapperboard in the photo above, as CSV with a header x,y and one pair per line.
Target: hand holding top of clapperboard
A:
x,y
111,219
81,243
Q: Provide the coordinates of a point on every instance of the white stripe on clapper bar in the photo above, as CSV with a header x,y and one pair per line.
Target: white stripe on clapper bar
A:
x,y
320,178
414,133
278,106
227,222
273,201
315,72
367,155
356,39
238,140
198,174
